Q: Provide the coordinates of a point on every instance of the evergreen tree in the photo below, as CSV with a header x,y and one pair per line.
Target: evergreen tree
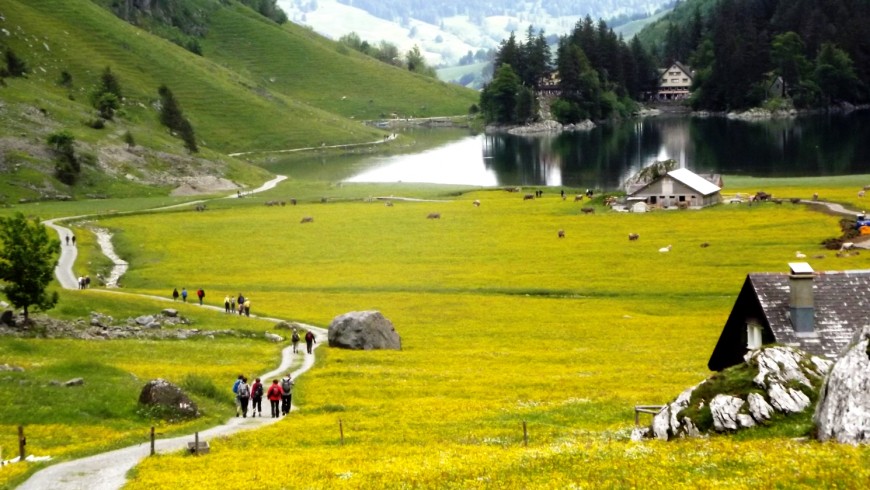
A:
x,y
172,117
109,84
15,66
509,53
27,260
787,55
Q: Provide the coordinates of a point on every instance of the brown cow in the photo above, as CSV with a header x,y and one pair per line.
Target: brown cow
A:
x,y
307,219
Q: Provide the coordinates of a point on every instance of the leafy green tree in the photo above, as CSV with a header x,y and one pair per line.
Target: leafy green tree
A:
x,y
835,74
787,54
67,166
129,140
27,260
417,64
499,98
65,80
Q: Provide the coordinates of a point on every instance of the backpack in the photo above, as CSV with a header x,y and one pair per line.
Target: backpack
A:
x,y
295,337
259,392
244,391
286,385
309,336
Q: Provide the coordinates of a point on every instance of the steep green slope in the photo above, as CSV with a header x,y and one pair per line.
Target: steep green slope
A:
x,y
258,86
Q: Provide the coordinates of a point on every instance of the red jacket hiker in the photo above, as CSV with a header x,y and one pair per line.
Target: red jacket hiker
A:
x,y
275,392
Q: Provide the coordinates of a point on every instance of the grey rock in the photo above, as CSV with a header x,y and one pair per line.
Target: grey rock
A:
x,y
274,338
7,318
9,367
75,382
843,410
169,312
759,409
144,320
154,325
162,393
724,409
363,330
787,400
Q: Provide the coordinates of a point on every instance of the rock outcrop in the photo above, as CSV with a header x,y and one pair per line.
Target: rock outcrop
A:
x,y
781,377
165,398
363,330
843,411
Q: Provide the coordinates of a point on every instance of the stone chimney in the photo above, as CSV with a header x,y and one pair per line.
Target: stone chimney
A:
x,y
800,299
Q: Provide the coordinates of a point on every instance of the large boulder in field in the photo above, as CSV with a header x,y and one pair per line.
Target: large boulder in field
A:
x,y
167,399
843,411
363,330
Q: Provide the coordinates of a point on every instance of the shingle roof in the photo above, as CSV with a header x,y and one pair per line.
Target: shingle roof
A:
x,y
695,181
841,303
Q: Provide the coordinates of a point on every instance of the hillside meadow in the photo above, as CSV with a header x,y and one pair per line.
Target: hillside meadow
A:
x,y
502,323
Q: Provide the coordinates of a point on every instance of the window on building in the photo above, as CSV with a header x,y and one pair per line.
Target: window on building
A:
x,y
682,198
753,335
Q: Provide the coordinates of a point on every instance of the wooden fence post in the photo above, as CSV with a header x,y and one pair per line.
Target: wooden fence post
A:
x,y
22,441
152,440
525,435
341,431
196,444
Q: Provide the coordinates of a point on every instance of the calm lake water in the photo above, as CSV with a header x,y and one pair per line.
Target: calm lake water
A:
x,y
606,156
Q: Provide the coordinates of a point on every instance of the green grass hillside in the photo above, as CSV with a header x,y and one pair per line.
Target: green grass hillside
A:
x,y
258,86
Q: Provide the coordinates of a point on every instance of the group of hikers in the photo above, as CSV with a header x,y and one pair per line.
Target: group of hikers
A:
x,y
244,304
84,282
200,293
278,392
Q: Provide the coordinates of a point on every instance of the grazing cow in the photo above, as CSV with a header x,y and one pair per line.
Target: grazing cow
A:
x,y
705,245
388,204
633,236
200,207
800,255
293,201
795,200
578,197
434,216
588,210
683,205
476,203
324,199
777,201
665,249
528,197
561,233
283,204
307,219
861,194
815,196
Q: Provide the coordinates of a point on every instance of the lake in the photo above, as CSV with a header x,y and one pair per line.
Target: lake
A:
x,y
606,156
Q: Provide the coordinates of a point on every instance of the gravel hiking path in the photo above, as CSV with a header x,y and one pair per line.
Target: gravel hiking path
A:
x,y
108,471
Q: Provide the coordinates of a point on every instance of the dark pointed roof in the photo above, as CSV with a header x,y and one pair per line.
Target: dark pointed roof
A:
x,y
841,307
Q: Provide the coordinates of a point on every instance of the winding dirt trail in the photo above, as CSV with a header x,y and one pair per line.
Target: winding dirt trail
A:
x,y
108,471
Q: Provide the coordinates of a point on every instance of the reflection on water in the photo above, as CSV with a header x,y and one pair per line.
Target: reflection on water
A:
x,y
606,156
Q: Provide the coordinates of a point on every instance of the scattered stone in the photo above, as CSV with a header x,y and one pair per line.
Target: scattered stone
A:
x,y
144,320
9,367
75,382
170,312
274,338
165,395
843,410
363,330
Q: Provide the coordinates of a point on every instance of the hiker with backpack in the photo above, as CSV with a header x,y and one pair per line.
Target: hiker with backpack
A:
x,y
184,294
244,396
236,392
309,341
257,398
274,396
200,294
295,339
286,388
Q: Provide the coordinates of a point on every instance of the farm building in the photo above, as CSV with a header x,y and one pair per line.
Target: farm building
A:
x,y
817,312
678,188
